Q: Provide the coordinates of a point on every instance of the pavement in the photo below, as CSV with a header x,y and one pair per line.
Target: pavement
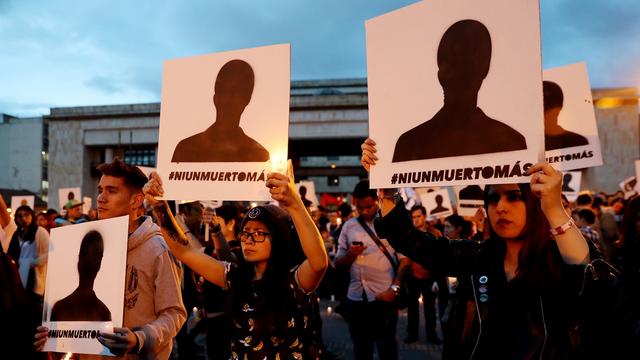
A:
x,y
335,334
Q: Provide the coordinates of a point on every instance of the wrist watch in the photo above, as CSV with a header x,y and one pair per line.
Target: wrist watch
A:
x,y
395,288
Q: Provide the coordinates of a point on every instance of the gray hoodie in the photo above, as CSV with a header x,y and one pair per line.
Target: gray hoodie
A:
x,y
153,305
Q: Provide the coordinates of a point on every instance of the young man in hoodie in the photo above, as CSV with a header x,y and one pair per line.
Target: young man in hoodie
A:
x,y
153,308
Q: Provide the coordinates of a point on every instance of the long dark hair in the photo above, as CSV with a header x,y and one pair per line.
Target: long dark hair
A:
x,y
29,234
537,264
274,303
631,237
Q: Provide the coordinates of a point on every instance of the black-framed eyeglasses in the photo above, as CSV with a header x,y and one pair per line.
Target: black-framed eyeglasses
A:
x,y
256,236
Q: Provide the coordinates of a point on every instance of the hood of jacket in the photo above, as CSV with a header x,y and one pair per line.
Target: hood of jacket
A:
x,y
145,231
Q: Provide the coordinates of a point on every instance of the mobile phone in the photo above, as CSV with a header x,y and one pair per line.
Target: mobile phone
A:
x,y
357,243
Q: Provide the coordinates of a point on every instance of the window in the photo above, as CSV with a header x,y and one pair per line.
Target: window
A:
x,y
140,157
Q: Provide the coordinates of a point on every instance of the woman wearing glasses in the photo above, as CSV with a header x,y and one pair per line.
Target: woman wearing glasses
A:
x,y
268,302
522,292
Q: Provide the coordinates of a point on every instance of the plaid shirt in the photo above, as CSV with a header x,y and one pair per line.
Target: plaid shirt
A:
x,y
592,236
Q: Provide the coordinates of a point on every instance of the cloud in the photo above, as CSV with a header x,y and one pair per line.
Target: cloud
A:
x,y
104,84
69,53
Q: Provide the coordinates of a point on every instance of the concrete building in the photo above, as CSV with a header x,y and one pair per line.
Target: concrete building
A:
x,y
328,122
23,154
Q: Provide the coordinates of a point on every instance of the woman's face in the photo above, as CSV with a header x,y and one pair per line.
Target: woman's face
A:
x,y
507,211
255,240
42,220
450,231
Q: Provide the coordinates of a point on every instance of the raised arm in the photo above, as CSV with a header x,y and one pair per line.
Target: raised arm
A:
x,y
4,214
181,245
546,183
312,269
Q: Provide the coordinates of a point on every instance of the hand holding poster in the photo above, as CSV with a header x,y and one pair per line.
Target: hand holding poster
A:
x,y
485,58
17,201
570,130
224,120
85,284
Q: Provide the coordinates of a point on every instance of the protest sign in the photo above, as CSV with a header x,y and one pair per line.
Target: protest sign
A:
x,y
67,194
20,200
87,203
571,133
571,183
85,284
224,123
310,198
437,203
487,127
470,198
629,187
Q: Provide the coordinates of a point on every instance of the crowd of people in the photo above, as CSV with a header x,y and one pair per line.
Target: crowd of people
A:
x,y
530,275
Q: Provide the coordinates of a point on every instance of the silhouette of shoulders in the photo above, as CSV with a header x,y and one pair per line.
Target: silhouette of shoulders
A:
x,y
213,145
80,307
439,209
447,136
564,140
471,192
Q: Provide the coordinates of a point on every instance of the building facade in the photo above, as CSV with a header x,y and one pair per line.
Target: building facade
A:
x,y
328,122
23,154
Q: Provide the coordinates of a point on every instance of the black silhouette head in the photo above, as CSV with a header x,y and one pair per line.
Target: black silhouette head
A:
x,y
552,95
233,89
464,56
439,200
566,179
71,195
90,256
303,191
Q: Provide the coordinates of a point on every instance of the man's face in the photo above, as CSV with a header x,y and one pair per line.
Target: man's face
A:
x,y
114,198
75,212
419,219
367,208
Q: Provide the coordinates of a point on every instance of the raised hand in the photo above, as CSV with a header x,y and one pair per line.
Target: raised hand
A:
x,y
368,153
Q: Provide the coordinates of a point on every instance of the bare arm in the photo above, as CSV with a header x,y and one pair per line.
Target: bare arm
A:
x,y
185,249
546,183
4,214
312,270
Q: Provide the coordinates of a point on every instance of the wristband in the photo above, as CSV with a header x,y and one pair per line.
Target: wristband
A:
x,y
562,228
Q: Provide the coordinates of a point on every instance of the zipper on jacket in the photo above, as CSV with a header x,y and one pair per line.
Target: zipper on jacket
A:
x,y
475,298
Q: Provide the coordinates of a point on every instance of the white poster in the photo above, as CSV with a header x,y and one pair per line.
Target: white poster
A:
x,y
437,203
87,203
571,183
470,198
67,194
570,130
85,284
637,165
629,186
146,170
224,123
19,200
307,191
455,92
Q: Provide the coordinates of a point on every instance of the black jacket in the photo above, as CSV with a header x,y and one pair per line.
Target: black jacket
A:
x,y
490,317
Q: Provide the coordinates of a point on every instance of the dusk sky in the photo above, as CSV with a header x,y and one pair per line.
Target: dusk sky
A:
x,y
58,53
